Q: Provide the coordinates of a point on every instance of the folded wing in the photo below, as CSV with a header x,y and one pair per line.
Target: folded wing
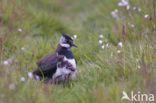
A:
x,y
46,66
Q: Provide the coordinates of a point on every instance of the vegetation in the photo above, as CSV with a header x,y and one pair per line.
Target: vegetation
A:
x,y
116,49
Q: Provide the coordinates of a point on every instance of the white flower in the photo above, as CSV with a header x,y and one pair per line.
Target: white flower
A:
x,y
22,79
139,9
30,75
128,7
134,8
123,3
118,51
114,13
111,55
107,45
75,36
139,66
37,77
101,36
5,62
146,16
8,61
23,48
20,30
132,26
137,60
102,46
116,10
12,86
100,41
120,44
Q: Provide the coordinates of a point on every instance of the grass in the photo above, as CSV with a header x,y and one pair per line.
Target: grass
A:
x,y
102,74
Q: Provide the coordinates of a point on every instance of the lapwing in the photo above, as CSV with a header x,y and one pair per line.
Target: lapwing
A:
x,y
64,70
47,65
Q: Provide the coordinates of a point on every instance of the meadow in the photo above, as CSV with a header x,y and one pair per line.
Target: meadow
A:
x,y
116,49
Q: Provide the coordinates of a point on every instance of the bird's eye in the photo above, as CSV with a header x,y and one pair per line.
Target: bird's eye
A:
x,y
68,42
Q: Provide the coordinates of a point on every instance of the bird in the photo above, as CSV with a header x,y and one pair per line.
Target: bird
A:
x,y
64,70
47,65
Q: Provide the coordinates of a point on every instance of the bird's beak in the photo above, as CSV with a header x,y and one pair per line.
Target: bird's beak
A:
x,y
74,45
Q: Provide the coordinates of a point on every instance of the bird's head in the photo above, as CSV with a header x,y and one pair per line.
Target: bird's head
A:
x,y
66,41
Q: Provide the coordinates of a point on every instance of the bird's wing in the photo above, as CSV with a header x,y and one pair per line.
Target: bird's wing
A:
x,y
46,65
46,59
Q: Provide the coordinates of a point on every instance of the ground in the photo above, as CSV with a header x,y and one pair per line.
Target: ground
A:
x,y
116,49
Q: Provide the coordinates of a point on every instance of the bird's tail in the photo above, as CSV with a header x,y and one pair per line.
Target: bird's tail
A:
x,y
37,74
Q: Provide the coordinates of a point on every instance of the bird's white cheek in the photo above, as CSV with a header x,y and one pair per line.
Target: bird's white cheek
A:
x,y
65,45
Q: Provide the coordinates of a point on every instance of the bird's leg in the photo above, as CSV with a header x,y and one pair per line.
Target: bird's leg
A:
x,y
64,80
67,76
51,80
56,80
64,83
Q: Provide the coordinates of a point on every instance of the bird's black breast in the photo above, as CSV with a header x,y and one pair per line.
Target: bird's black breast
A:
x,y
66,52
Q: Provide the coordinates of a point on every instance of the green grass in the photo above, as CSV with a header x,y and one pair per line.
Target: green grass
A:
x,y
102,74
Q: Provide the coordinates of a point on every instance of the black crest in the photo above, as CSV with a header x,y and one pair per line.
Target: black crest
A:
x,y
67,37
